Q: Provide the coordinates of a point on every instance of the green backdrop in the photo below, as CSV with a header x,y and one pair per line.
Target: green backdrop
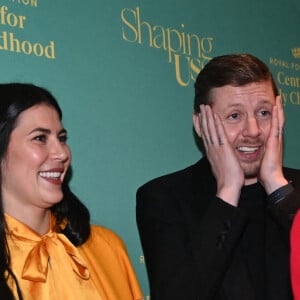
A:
x,y
123,72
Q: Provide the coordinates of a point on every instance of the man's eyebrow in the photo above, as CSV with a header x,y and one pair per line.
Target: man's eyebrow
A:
x,y
234,105
241,104
265,102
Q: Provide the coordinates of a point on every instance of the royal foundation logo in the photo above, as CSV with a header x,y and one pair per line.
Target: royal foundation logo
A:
x,y
187,51
287,76
296,52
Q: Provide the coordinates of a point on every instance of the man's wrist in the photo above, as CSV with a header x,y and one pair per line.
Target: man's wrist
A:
x,y
230,195
280,193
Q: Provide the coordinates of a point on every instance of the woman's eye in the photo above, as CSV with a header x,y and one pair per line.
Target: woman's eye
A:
x,y
40,138
63,138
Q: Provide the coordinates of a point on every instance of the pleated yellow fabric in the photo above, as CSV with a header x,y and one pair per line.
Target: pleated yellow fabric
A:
x,y
50,267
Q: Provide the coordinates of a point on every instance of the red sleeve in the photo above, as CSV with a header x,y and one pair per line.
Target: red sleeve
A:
x,y
295,256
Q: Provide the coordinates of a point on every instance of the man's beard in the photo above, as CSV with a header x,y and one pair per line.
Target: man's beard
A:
x,y
251,170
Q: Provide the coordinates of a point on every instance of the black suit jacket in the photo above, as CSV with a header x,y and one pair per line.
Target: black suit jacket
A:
x,y
189,236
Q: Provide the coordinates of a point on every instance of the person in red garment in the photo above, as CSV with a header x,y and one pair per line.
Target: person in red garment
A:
x,y
295,256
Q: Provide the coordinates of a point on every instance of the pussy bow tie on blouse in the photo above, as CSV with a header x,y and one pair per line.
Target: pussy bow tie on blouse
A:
x,y
36,264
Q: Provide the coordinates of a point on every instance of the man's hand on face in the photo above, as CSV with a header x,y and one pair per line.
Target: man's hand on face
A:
x,y
225,165
270,174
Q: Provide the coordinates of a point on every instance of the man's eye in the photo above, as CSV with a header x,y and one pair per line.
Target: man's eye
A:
x,y
233,116
265,113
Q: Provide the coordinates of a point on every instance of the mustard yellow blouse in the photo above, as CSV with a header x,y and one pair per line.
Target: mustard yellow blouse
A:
x,y
49,267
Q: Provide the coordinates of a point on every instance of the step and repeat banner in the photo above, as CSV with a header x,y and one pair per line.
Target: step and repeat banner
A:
x,y
123,72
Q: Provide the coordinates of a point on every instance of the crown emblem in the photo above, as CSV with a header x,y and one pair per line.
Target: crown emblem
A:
x,y
296,52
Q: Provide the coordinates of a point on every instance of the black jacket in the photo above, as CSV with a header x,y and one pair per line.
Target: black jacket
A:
x,y
189,236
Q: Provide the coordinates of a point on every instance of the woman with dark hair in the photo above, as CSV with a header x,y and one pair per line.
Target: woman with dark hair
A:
x,y
48,249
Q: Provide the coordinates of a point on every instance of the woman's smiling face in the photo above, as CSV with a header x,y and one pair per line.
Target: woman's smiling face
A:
x,y
36,161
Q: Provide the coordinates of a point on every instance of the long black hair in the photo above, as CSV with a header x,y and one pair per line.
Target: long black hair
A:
x,y
14,99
